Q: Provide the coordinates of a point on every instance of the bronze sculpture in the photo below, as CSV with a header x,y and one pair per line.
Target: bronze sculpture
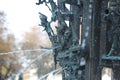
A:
x,y
78,44
113,19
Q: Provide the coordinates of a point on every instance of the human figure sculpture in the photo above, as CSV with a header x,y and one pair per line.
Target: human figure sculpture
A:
x,y
46,24
67,40
64,51
53,10
113,18
62,30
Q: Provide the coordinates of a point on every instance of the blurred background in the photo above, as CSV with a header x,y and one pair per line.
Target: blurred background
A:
x,y
20,39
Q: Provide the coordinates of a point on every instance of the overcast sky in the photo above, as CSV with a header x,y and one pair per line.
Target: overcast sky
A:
x,y
22,14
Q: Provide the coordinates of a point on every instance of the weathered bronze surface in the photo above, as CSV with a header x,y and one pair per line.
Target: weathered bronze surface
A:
x,y
89,41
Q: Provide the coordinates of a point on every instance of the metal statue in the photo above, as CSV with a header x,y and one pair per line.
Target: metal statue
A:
x,y
84,31
113,19
46,24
